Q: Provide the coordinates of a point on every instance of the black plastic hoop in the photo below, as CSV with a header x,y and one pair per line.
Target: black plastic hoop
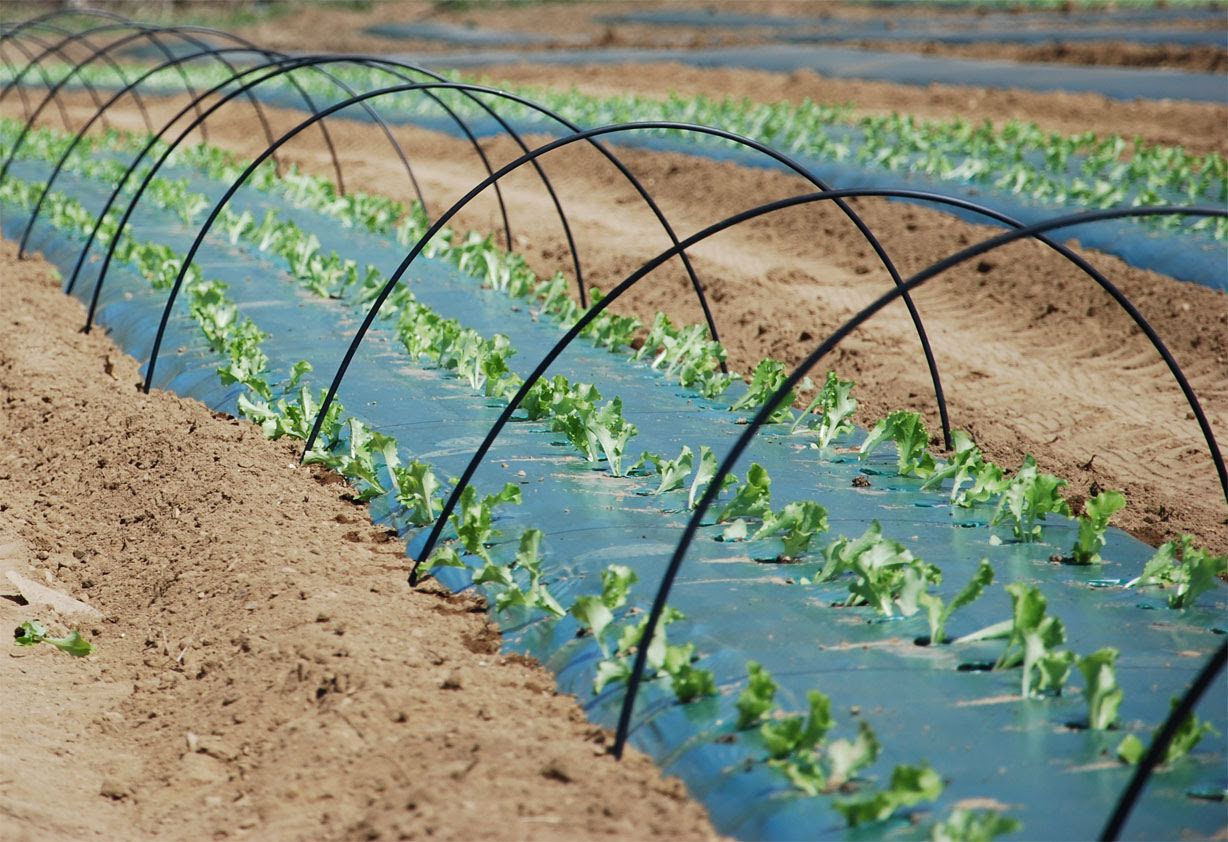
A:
x,y
765,412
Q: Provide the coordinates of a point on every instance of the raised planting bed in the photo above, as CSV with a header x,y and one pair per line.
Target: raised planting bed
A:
x,y
1020,705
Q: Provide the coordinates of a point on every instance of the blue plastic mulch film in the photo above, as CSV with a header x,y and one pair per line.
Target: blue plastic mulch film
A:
x,y
936,704
1186,255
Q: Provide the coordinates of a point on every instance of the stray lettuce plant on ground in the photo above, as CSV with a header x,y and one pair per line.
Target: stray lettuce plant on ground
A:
x,y
1189,570
1093,524
32,633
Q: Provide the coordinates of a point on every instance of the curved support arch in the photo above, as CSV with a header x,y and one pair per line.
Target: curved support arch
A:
x,y
21,91
761,417
149,146
505,416
85,83
212,52
310,63
15,29
561,142
1159,744
187,34
148,33
70,37
280,67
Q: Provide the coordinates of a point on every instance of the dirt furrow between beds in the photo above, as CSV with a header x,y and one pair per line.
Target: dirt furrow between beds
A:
x,y
262,668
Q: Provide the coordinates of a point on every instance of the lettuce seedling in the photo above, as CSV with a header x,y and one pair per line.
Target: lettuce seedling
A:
x,y
1033,642
834,406
768,376
1188,735
757,697
1028,497
973,826
1093,524
663,658
595,613
799,522
796,733
1189,569
416,486
1103,693
845,758
967,464
32,633
907,430
885,573
909,785
537,595
752,499
612,433
673,472
474,518
704,474
939,612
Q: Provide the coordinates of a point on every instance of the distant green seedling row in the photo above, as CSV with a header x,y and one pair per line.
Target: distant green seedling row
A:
x,y
1082,170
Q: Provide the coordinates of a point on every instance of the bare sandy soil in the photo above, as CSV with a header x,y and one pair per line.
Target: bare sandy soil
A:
x,y
1034,358
262,669
585,24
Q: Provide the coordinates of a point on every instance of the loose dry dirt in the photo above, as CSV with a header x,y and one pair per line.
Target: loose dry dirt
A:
x,y
1034,357
262,670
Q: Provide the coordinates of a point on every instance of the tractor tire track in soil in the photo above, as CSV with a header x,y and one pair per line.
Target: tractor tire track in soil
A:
x,y
262,668
1034,358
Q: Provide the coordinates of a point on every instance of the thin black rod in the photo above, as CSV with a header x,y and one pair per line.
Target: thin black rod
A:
x,y
242,90
555,144
21,90
1160,742
281,67
186,33
212,52
765,412
16,29
90,88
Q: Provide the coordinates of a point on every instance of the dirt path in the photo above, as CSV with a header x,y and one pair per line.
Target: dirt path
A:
x,y
263,670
